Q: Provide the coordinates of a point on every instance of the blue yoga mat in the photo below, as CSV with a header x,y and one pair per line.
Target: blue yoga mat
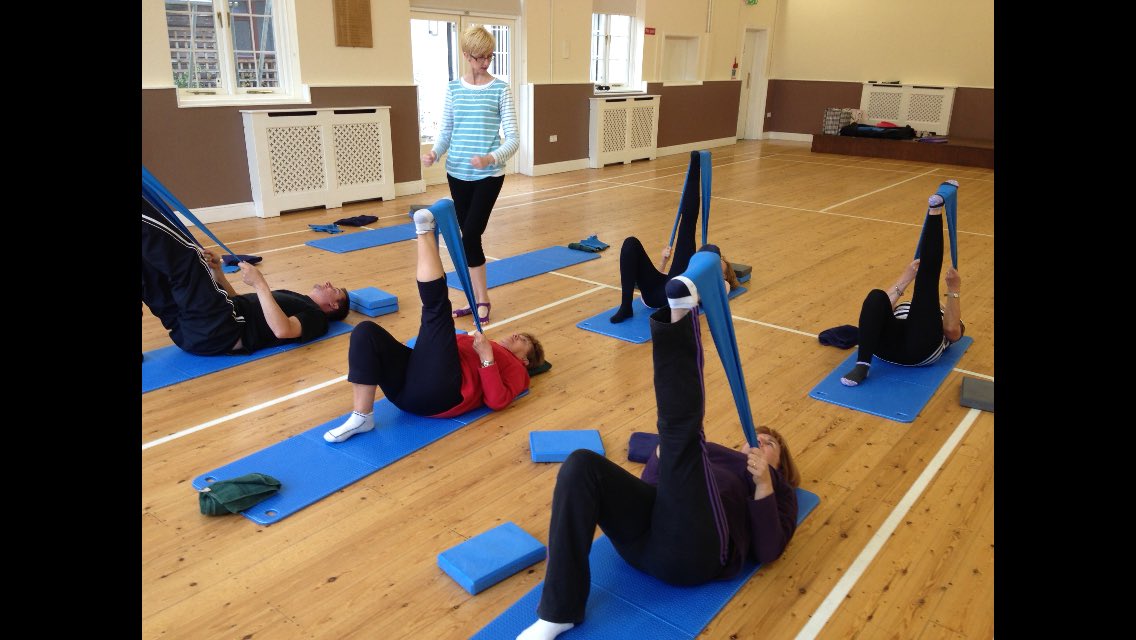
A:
x,y
347,242
527,265
170,365
626,603
309,468
637,328
890,391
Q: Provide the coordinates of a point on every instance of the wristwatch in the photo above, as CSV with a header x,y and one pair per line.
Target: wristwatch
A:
x,y
486,363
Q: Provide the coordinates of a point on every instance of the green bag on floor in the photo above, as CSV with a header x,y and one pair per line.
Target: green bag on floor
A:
x,y
232,496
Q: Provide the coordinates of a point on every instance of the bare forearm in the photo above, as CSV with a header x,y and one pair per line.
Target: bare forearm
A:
x,y
952,317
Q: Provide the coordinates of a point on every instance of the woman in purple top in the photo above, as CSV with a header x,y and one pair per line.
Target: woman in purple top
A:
x,y
699,511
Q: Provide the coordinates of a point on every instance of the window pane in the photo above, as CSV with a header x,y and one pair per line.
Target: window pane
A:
x,y
434,52
254,44
193,44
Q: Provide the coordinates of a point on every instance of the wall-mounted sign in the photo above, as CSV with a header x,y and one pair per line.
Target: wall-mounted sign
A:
x,y
649,31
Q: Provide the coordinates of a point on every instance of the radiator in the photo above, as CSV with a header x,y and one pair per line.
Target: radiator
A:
x,y
622,129
303,158
924,108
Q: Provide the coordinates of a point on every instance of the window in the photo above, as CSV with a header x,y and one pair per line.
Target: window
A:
x,y
611,50
225,52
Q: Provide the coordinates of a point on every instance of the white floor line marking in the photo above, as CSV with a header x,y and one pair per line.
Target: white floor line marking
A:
x,y
242,412
825,210
835,597
774,326
547,306
975,373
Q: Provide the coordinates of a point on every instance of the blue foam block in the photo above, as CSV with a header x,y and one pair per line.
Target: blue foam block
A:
x,y
375,312
490,557
309,468
626,603
348,242
636,329
526,265
372,298
555,446
170,365
736,292
890,391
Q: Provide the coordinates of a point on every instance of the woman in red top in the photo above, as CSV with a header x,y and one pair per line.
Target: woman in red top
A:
x,y
444,374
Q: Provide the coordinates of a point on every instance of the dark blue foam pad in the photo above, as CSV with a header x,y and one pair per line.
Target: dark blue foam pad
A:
x,y
170,365
636,329
625,602
348,242
526,265
890,391
555,446
640,445
490,557
736,292
309,468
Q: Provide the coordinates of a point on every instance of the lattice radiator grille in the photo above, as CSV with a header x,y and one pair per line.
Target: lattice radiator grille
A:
x,y
923,108
358,153
623,129
303,158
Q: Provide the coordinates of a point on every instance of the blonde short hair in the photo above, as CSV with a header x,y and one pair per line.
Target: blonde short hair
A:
x,y
477,41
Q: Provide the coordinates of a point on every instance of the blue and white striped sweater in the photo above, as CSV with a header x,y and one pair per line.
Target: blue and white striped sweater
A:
x,y
472,120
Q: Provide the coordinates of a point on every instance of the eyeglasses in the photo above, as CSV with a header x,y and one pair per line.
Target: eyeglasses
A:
x,y
482,59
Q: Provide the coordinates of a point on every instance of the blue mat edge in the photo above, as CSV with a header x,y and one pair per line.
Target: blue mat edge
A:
x,y
949,361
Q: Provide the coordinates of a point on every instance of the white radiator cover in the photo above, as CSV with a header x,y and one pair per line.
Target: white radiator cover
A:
x,y
924,108
300,158
622,129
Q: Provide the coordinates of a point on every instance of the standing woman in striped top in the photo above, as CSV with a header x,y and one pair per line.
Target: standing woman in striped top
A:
x,y
913,333
478,107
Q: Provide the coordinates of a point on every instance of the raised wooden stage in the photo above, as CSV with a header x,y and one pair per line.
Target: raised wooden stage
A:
x,y
970,153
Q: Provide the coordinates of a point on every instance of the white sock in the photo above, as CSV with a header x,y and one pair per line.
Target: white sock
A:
x,y
544,630
355,423
423,221
681,293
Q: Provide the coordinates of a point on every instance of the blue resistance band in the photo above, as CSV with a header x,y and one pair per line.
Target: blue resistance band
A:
x,y
157,195
705,170
705,270
949,192
446,219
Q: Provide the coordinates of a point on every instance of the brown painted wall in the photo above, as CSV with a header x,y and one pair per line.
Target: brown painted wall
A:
x,y
798,107
694,113
562,110
199,153
972,115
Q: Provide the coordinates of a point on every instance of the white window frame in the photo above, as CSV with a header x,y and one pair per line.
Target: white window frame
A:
x,y
290,89
634,54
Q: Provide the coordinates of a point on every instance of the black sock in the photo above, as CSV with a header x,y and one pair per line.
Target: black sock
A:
x,y
856,375
622,314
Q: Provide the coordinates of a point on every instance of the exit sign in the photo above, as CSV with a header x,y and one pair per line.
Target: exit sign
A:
x,y
649,31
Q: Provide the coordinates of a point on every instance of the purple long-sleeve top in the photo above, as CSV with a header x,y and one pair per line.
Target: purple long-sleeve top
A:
x,y
759,529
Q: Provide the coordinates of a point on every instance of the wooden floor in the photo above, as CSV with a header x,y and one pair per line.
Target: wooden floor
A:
x,y
901,545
